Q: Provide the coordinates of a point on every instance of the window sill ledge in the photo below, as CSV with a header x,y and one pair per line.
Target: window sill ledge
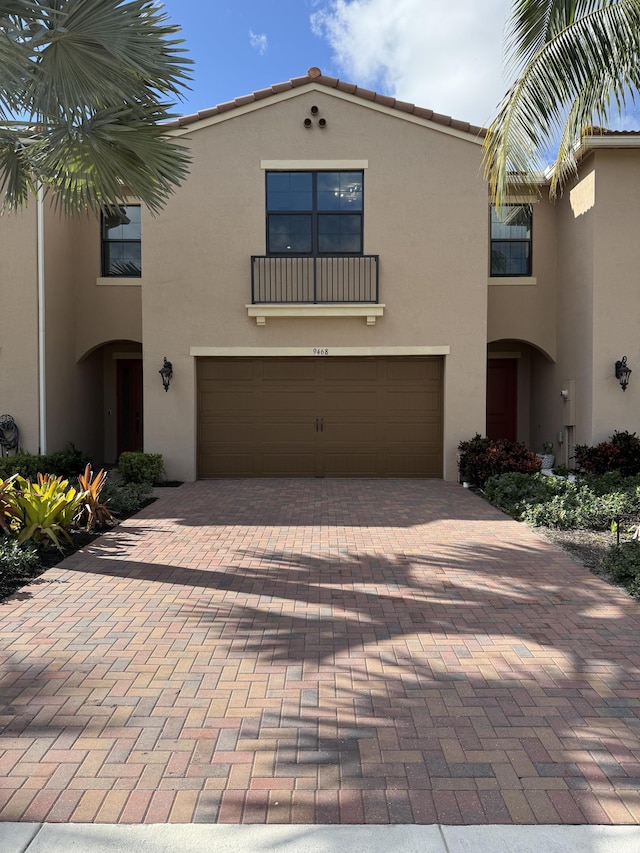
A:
x,y
515,279
369,311
120,281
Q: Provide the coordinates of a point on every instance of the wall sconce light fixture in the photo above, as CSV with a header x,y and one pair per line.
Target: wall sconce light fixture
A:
x,y
623,372
166,372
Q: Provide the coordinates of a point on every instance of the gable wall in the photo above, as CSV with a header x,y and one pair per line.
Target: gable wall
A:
x,y
425,215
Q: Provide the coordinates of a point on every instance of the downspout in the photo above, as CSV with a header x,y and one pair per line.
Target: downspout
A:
x,y
42,385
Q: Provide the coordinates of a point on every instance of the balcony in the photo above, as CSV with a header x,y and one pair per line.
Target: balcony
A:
x,y
305,280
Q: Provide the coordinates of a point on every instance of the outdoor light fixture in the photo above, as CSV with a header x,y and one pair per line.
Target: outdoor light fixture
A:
x,y
623,372
166,372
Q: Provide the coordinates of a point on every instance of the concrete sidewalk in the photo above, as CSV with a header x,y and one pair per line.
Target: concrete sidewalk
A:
x,y
155,838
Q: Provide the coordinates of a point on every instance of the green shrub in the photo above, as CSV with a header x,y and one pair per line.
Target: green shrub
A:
x,y
124,499
481,458
623,562
621,453
553,502
65,463
140,467
16,560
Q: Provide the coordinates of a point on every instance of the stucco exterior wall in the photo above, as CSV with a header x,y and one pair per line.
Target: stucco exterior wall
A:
x,y
524,308
424,214
577,233
616,306
19,323
81,316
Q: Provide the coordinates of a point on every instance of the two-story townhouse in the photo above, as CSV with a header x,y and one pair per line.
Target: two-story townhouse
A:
x,y
334,294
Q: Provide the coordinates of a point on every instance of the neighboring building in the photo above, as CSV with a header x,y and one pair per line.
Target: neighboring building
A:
x,y
333,293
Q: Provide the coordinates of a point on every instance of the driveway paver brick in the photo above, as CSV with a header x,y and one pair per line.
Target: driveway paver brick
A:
x,y
328,651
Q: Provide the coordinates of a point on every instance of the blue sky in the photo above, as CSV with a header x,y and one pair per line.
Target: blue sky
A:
x,y
443,55
239,46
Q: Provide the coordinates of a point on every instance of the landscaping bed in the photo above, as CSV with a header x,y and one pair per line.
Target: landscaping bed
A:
x,y
45,517
593,514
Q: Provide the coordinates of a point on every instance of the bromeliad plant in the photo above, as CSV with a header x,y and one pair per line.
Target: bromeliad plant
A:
x,y
47,509
93,513
9,513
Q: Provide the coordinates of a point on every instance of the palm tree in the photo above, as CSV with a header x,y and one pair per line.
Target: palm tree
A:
x,y
575,63
84,88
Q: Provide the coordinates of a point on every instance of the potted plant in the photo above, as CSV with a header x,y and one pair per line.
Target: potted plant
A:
x,y
547,458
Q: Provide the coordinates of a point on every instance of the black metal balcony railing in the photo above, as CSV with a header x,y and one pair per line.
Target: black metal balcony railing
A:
x,y
305,279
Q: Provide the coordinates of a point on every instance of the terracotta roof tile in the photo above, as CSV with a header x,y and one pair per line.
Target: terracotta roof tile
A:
x,y
281,87
314,75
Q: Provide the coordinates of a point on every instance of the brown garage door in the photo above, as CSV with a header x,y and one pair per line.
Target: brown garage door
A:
x,y
311,417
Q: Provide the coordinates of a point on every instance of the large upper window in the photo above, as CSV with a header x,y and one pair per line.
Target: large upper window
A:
x,y
314,213
121,247
511,240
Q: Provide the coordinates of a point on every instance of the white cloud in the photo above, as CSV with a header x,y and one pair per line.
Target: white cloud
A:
x,y
445,55
258,42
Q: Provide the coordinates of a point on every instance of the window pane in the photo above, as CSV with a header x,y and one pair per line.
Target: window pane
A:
x,y
122,259
289,191
510,258
289,234
514,224
339,234
339,190
126,223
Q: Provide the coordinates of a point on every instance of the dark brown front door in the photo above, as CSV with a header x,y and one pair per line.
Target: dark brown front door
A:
x,y
502,398
129,380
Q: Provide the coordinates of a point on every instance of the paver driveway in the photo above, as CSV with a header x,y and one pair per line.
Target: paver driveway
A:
x,y
320,651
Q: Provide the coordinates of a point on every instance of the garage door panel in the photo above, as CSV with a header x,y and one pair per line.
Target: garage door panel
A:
x,y
227,400
293,401
215,464
347,400
350,370
405,464
414,370
288,464
406,400
288,370
285,431
352,464
365,417
226,370
218,432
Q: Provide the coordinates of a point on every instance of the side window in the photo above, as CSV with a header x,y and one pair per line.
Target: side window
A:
x,y
511,240
314,213
121,242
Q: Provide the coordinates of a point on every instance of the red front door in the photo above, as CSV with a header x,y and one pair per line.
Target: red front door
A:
x,y
129,387
502,398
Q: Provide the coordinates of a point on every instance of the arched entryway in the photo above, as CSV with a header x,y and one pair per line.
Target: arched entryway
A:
x,y
519,393
120,366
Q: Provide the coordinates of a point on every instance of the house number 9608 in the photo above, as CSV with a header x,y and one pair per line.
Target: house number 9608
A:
x,y
320,351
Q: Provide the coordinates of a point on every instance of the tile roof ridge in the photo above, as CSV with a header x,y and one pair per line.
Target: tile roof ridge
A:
x,y
315,75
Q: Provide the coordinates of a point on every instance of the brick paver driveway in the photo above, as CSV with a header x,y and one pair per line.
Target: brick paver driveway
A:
x,y
320,651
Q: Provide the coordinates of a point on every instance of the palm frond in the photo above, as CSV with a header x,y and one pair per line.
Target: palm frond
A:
x,y
571,82
104,52
95,80
115,153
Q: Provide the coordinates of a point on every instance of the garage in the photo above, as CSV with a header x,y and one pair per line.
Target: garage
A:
x,y
320,417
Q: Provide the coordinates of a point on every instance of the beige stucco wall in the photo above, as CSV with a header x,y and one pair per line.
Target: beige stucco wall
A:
x,y
616,306
19,323
525,308
577,232
425,215
81,317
